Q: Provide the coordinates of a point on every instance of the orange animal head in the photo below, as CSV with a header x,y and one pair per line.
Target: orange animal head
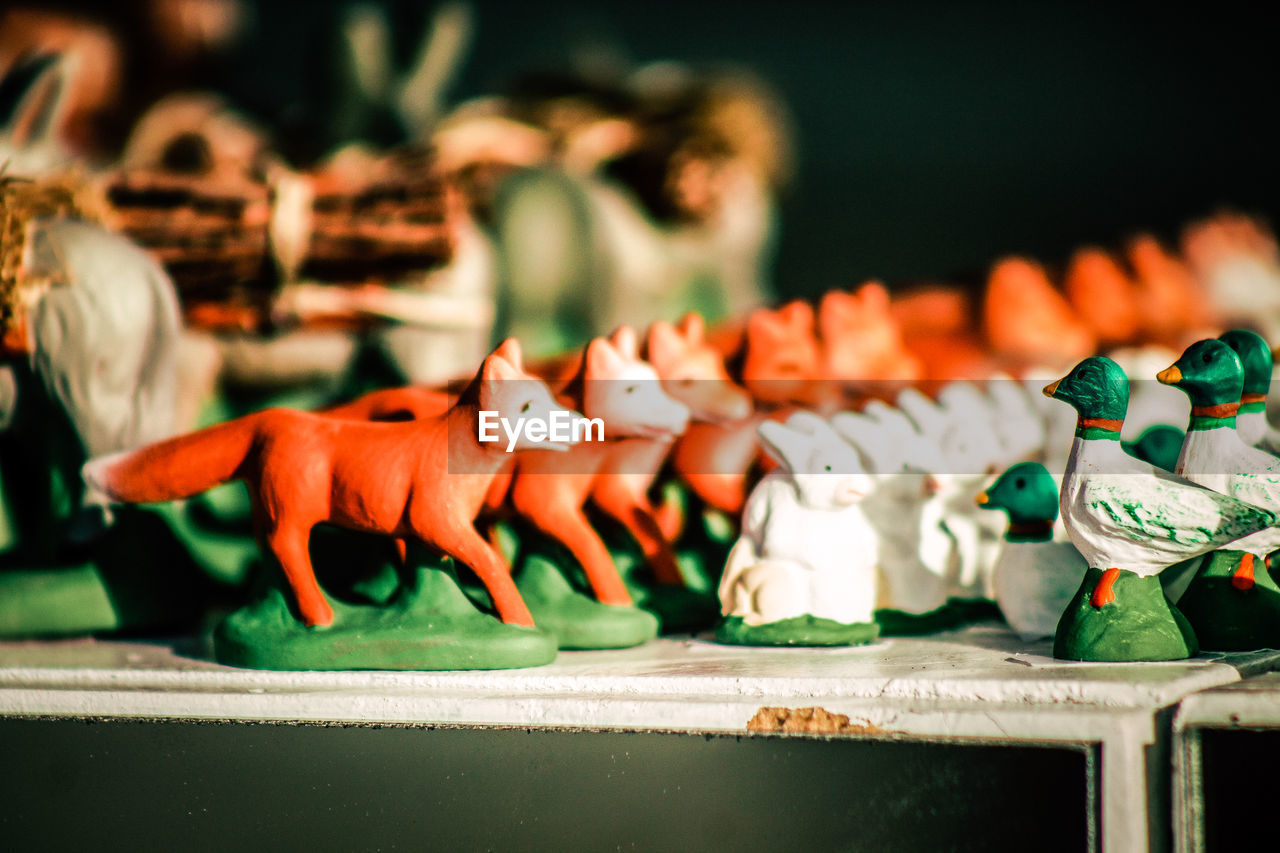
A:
x,y
625,392
693,372
513,394
860,338
1174,309
781,363
1104,296
1028,320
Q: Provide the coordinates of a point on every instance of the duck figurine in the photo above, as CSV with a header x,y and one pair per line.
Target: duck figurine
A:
x,y
1036,574
1130,521
1251,419
1232,602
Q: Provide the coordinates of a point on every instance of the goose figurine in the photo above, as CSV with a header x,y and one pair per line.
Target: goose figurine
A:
x,y
1251,419
1232,602
1130,521
1036,574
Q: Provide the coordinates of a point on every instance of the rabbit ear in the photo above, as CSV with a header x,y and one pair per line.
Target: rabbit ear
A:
x,y
43,108
806,422
927,417
787,446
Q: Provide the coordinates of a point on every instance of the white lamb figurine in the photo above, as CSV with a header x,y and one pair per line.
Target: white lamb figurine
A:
x,y
904,506
806,547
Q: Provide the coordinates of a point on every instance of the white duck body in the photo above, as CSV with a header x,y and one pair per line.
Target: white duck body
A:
x,y
1256,431
902,507
1218,459
1034,583
1122,513
806,546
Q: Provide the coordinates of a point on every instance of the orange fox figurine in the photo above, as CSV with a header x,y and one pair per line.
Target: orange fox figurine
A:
x,y
693,372
1104,297
1028,321
861,341
1175,310
779,362
425,478
614,385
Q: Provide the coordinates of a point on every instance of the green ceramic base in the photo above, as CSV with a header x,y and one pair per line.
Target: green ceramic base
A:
x,y
799,631
577,620
138,577
431,625
1227,619
1141,624
954,614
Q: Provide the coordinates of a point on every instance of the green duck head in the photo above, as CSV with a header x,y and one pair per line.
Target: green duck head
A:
x,y
1255,355
1210,373
1099,392
1029,496
1159,445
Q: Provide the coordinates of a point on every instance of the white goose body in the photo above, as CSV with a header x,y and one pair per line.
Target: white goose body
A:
x,y
1220,460
1256,431
1122,513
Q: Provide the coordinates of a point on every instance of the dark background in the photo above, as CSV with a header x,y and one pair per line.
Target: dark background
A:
x,y
933,137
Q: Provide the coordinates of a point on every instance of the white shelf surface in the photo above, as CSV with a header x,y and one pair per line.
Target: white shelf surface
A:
x,y
980,682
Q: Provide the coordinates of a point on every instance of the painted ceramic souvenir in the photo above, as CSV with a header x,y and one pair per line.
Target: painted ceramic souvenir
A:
x,y
778,360
1174,308
1232,602
1130,521
424,479
693,373
959,424
904,508
1151,403
1104,297
1016,420
1036,574
1238,262
861,343
548,493
1158,445
803,572
1251,419
1026,319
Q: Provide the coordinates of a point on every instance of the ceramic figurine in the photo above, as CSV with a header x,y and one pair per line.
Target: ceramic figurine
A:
x,y
904,507
423,479
1232,602
1174,309
1158,445
1028,320
1130,521
1104,297
803,570
1016,420
1238,262
1035,574
693,373
778,360
1251,419
861,342
549,493
1150,403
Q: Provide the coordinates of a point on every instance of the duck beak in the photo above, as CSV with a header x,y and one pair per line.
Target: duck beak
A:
x,y
1052,388
983,498
1171,375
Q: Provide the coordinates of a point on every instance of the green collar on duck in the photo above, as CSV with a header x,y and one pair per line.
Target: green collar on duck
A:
x,y
1029,496
1255,355
1099,392
1210,373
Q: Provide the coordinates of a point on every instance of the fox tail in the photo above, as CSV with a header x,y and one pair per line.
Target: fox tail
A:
x,y
175,468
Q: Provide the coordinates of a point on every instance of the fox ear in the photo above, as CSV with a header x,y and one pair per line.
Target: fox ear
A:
x,y
603,359
787,446
798,315
764,323
625,341
496,368
693,328
874,297
509,350
664,343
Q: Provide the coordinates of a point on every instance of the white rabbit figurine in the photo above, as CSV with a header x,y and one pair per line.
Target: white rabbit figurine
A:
x,y
803,572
